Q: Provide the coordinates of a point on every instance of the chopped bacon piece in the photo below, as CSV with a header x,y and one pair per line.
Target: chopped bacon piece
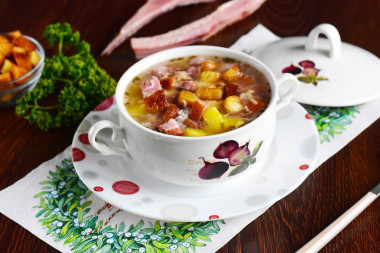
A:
x,y
148,87
168,83
156,102
189,85
231,89
170,113
198,60
171,127
193,71
190,123
160,71
197,111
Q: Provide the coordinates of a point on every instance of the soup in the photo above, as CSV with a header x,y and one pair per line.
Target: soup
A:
x,y
197,96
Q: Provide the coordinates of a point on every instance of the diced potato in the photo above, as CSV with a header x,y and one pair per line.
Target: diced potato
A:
x,y
196,111
134,91
34,58
233,74
6,49
191,132
213,120
186,98
137,109
210,93
7,65
232,123
21,58
210,76
233,104
23,42
14,34
209,65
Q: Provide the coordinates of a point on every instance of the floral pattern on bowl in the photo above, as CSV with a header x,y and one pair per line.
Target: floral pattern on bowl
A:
x,y
310,73
239,157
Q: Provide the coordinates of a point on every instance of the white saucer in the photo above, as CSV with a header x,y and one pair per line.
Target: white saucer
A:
x,y
293,156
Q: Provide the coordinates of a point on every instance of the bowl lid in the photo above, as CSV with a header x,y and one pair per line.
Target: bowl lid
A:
x,y
331,72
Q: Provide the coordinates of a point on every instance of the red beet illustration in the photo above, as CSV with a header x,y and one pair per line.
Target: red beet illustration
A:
x,y
212,170
237,155
225,148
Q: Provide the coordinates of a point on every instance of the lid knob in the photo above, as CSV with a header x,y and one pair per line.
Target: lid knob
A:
x,y
332,35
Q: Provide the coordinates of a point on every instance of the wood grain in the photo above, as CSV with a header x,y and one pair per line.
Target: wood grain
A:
x,y
289,223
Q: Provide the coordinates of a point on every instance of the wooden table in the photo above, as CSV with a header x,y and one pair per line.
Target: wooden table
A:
x,y
292,221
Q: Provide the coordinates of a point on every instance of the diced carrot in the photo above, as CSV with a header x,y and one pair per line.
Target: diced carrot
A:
x,y
156,102
170,113
255,107
167,83
233,104
197,111
186,98
248,79
209,65
231,89
23,42
210,93
233,74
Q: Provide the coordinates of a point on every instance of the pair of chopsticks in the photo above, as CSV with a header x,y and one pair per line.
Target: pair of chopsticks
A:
x,y
339,224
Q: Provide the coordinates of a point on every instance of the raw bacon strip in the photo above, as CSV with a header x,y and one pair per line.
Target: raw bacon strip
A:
x,y
201,29
150,10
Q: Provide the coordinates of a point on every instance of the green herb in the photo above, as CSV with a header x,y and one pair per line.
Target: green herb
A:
x,y
229,60
83,83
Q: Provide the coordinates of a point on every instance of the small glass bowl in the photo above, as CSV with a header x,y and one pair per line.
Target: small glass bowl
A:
x,y
10,96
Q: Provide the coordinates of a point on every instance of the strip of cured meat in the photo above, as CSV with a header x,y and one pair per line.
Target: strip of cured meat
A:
x,y
150,10
201,29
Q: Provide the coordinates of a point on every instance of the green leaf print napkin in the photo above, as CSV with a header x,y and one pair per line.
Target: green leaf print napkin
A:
x,y
53,204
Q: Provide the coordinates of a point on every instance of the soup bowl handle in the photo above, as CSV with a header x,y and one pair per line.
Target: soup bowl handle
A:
x,y
287,88
117,136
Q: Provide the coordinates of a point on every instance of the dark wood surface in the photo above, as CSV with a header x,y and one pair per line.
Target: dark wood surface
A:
x,y
291,222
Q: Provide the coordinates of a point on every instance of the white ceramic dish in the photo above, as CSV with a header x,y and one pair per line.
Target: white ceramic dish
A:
x,y
352,72
292,158
178,159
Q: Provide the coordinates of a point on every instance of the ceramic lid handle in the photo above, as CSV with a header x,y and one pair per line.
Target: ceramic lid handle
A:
x,y
332,35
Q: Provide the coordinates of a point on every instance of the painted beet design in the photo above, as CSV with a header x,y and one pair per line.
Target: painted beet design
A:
x,y
236,156
225,148
310,73
212,170
239,157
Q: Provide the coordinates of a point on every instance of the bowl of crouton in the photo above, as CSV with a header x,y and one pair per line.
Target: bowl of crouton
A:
x,y
21,63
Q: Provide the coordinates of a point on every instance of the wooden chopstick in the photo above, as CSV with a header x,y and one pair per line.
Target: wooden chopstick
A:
x,y
339,224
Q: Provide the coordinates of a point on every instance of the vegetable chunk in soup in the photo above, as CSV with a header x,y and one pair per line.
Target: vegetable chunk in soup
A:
x,y
197,96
